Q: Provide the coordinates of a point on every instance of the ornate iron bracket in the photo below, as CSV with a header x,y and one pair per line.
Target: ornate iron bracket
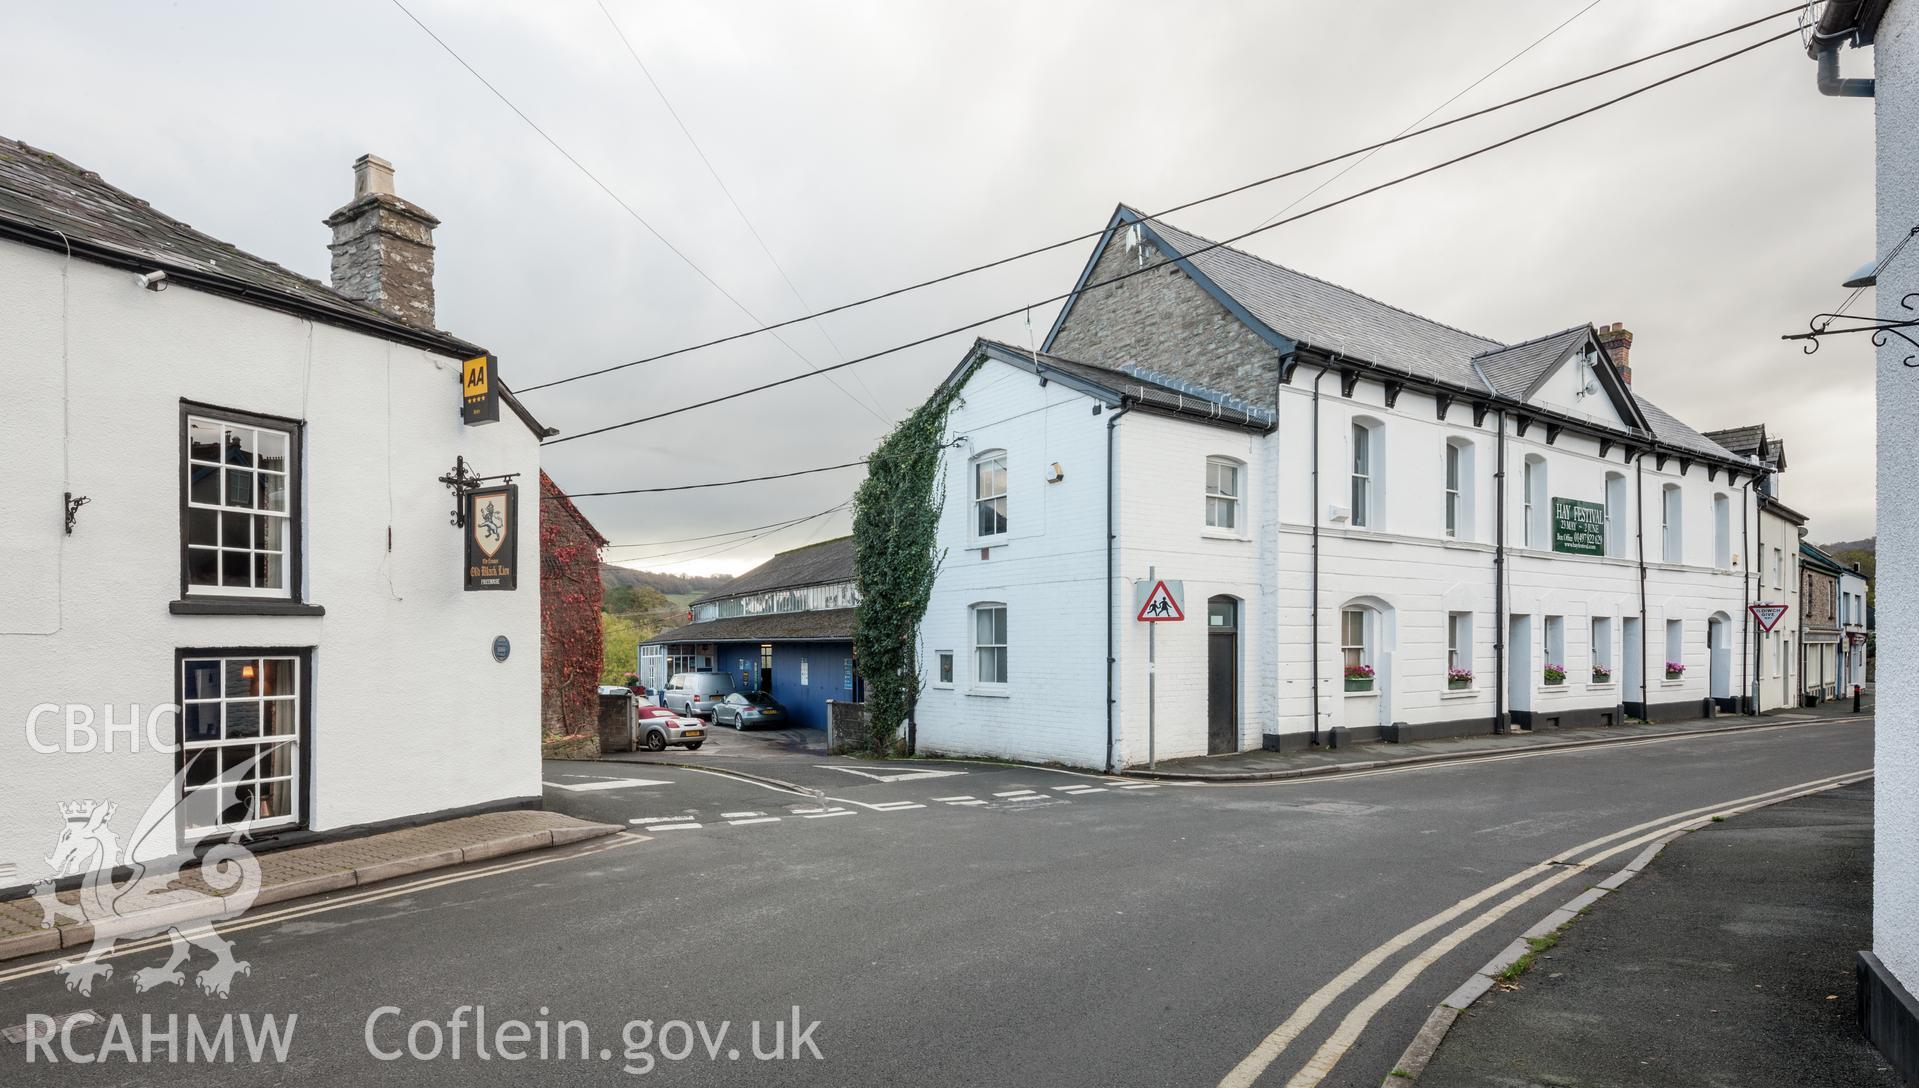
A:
x,y
460,480
1822,325
74,503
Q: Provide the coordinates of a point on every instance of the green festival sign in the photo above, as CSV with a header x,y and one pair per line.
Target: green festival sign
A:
x,y
1579,528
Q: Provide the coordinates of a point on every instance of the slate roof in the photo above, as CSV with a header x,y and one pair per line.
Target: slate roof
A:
x,y
1329,316
1672,431
1748,441
1152,391
1511,371
816,564
53,203
829,625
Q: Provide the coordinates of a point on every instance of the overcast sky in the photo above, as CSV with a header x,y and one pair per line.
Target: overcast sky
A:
x,y
874,144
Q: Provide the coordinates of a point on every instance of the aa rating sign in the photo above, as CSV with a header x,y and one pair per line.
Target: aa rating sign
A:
x,y
1768,615
1161,602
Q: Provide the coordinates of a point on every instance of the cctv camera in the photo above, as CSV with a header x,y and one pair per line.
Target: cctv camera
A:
x,y
152,281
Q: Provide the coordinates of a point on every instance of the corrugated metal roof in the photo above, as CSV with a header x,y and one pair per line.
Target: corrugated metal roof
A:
x,y
829,625
815,564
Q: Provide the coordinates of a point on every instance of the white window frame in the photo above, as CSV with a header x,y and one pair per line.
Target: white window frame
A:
x,y
1535,484
1721,530
943,667
1675,645
1454,470
1002,658
1225,488
1615,504
1355,653
984,497
1600,649
1672,524
1553,645
1365,474
229,428
241,679
1459,641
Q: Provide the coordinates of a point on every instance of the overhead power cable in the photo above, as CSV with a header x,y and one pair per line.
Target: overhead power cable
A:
x,y
628,208
715,483
1534,131
1293,172
687,555
708,536
1423,118
728,193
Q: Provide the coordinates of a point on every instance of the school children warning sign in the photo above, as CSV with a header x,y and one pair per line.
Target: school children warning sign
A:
x,y
1162,603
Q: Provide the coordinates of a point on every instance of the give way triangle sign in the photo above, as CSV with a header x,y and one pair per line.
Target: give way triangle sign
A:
x,y
1767,614
1160,605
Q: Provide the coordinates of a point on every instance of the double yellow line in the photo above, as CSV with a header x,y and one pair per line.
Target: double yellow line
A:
x,y
307,908
1565,866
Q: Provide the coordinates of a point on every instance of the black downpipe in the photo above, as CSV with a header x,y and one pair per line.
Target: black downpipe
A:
x,y
1111,590
1315,555
1499,581
1759,545
1645,620
1745,589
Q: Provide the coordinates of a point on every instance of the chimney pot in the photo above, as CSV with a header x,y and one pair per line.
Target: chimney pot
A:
x,y
1617,340
383,246
372,174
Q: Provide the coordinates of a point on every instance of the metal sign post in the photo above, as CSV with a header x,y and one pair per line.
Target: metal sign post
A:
x,y
1159,602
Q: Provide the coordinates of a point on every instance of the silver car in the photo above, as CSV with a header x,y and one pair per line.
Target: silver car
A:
x,y
696,693
749,708
660,727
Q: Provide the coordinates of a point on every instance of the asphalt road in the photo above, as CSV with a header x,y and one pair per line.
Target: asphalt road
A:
x,y
1062,929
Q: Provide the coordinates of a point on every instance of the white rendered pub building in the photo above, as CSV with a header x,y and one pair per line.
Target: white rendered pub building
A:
x,y
232,577
1383,526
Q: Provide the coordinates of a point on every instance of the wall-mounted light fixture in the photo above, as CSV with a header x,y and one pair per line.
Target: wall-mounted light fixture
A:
x,y
152,281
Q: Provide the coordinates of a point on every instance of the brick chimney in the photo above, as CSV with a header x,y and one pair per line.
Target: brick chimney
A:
x,y
1617,340
383,246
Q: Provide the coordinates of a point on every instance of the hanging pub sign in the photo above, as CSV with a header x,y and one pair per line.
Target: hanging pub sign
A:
x,y
480,390
1579,528
492,537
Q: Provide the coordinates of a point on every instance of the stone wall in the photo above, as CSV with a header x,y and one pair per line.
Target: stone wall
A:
x,y
1165,321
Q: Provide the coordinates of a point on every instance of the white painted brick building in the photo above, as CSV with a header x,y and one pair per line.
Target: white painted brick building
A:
x,y
1324,474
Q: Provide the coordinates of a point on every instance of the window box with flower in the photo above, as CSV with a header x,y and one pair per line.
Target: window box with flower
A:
x,y
1555,674
1459,679
1602,674
1359,678
1675,670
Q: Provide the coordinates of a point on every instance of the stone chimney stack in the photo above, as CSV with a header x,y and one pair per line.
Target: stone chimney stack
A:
x,y
383,246
1617,341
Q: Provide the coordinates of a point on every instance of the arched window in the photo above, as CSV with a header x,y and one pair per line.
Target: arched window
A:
x,y
1224,476
1615,514
1721,532
989,494
1672,525
1535,509
1458,514
1368,475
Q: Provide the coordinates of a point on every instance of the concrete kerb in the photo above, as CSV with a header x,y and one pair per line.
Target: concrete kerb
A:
x,y
1419,1053
201,908
1452,757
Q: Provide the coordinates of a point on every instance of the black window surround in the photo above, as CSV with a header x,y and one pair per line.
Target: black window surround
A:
x,y
301,738
197,601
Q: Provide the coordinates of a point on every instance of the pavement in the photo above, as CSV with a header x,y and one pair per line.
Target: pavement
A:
x,y
1315,761
187,895
1727,960
988,924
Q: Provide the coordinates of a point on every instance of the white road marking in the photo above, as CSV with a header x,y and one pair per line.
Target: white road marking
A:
x,y
656,819
950,800
968,801
1141,786
824,815
1018,793
760,820
610,784
897,776
1075,791
1269,1049
673,827
738,815
897,806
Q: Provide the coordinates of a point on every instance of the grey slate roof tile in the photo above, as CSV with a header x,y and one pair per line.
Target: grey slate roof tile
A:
x,y
1512,370
1192,401
815,564
831,624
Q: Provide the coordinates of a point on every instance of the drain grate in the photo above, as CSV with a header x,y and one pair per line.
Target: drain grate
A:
x,y
50,1027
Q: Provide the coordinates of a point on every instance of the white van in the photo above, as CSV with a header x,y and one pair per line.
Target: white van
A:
x,y
696,692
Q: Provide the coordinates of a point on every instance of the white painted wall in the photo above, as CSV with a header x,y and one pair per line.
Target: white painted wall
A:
x,y
410,713
1049,572
1777,556
1896,823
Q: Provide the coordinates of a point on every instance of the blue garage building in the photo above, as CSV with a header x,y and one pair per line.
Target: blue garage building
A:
x,y
784,627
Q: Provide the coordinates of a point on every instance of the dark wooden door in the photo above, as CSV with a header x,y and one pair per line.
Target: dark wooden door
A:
x,y
1222,675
